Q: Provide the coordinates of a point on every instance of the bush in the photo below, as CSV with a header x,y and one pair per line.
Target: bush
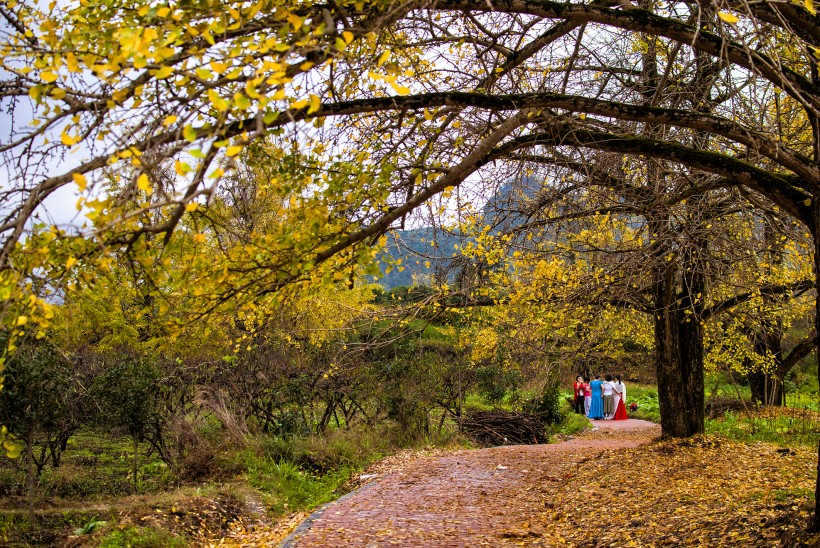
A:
x,y
547,405
495,382
42,399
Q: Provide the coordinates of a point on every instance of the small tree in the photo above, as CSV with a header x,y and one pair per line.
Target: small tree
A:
x,y
34,405
127,393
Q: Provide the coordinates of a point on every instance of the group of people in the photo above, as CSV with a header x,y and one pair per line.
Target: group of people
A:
x,y
601,400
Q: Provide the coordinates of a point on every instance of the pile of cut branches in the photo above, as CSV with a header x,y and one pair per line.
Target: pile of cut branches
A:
x,y
490,428
717,406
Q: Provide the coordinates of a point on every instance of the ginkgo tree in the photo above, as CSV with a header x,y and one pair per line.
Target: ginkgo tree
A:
x,y
375,108
581,255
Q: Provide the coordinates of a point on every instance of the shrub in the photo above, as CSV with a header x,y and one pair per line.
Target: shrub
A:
x,y
495,382
41,399
547,405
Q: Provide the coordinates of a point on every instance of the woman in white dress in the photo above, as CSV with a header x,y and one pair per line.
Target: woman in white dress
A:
x,y
620,403
620,390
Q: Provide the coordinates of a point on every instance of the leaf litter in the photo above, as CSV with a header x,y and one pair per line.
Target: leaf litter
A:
x,y
701,491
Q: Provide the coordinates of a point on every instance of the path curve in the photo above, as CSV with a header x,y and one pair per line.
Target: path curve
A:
x,y
471,498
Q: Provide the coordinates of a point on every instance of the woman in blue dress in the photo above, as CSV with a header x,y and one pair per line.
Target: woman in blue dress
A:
x,y
596,406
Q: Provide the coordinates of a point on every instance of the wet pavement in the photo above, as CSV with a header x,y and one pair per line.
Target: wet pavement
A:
x,y
480,497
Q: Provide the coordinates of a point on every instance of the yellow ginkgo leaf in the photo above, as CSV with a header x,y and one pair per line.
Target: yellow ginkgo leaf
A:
x,y
727,17
315,103
199,238
295,20
233,150
189,133
12,449
163,73
143,183
169,120
191,207
219,102
21,320
182,168
80,181
67,139
400,89
70,262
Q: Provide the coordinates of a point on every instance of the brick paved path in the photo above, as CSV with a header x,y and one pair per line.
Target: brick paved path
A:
x,y
482,497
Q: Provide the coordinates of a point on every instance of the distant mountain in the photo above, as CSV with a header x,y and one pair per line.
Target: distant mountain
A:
x,y
424,252
427,252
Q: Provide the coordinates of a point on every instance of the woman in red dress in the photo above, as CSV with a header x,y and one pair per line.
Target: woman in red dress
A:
x,y
578,388
620,391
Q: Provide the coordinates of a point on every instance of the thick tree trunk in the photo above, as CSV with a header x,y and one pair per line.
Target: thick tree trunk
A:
x,y
678,333
671,399
690,343
678,360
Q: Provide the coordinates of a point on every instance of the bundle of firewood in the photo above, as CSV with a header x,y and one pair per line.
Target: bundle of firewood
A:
x,y
490,428
716,407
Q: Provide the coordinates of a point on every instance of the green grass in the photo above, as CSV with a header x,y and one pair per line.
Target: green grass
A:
x,y
49,529
795,424
288,488
302,473
475,402
784,426
511,401
802,400
572,424
647,399
141,537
